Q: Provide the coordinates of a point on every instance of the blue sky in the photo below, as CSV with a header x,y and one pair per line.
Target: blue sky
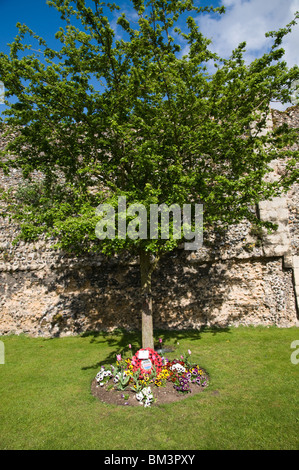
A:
x,y
245,20
36,14
45,20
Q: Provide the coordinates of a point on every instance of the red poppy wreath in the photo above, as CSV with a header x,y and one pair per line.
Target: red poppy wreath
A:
x,y
144,361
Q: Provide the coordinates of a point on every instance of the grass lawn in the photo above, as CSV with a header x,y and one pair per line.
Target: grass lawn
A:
x,y
252,401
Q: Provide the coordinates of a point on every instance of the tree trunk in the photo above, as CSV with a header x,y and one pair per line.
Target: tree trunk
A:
x,y
147,309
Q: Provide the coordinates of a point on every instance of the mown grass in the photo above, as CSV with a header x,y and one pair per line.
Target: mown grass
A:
x,y
251,402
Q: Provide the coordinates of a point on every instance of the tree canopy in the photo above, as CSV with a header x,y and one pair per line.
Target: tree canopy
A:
x,y
152,116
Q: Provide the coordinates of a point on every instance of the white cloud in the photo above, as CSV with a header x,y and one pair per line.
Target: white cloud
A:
x,y
249,20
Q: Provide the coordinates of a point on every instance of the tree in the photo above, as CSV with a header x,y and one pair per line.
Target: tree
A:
x,y
135,121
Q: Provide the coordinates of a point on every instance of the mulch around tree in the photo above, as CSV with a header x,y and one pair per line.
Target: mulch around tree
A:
x,y
162,395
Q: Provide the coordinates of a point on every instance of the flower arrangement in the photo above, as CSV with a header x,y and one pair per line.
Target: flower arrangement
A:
x,y
142,376
155,359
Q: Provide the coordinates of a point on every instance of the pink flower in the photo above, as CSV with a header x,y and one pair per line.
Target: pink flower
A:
x,y
130,346
118,357
189,352
160,340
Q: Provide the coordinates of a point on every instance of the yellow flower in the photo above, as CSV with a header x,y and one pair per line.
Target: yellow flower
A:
x,y
128,372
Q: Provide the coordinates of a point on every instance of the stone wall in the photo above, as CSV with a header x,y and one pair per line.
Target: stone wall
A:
x,y
237,278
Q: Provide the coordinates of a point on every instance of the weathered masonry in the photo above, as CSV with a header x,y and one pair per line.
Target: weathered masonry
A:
x,y
244,277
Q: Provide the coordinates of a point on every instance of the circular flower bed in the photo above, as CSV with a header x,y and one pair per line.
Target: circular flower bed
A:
x,y
147,378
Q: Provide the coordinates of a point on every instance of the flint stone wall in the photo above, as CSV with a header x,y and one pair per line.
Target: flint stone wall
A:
x,y
238,278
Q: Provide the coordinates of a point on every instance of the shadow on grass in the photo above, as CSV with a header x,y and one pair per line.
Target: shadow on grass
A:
x,y
118,341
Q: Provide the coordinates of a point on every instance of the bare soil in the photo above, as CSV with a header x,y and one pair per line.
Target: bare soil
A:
x,y
162,395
